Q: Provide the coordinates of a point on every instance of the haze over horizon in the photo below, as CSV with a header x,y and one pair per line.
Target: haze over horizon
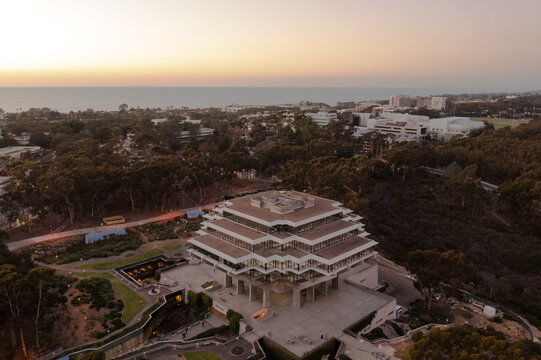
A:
x,y
477,44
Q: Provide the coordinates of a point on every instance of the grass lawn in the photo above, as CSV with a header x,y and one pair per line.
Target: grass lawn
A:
x,y
133,303
171,247
499,123
132,259
201,355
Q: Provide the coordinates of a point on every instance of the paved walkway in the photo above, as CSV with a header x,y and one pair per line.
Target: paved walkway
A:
x,y
61,235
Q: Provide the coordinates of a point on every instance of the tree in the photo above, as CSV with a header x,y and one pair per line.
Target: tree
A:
x,y
94,355
433,268
123,107
38,276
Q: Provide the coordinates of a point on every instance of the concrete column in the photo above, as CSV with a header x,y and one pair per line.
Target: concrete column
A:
x,y
334,282
228,281
311,293
240,287
296,298
266,297
323,288
252,293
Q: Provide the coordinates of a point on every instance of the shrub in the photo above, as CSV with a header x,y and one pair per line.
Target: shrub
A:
x,y
220,330
238,350
416,336
234,321
363,323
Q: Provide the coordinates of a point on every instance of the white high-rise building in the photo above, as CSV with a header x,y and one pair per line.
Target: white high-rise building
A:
x,y
438,102
400,101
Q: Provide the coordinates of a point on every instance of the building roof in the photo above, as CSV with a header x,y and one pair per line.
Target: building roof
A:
x,y
343,247
323,230
194,213
238,229
100,235
222,246
320,207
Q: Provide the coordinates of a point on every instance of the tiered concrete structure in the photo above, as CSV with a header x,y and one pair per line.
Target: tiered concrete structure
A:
x,y
285,241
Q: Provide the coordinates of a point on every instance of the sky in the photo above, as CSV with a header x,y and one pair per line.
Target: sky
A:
x,y
492,44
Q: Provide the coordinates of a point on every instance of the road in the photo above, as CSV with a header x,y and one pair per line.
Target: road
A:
x,y
440,172
61,235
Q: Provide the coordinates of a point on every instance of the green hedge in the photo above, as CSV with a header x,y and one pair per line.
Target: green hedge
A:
x,y
234,321
200,302
220,330
363,323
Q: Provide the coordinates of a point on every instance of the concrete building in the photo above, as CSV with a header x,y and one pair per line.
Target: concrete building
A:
x,y
360,118
186,136
403,117
424,102
400,101
323,118
446,128
402,130
433,102
438,102
286,242
233,108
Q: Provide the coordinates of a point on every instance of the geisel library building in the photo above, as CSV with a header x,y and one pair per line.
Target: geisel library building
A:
x,y
286,242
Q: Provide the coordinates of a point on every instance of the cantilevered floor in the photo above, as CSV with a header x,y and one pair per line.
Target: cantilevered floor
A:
x,y
343,247
222,246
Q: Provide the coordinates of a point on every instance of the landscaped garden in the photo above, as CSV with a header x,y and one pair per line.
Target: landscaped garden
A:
x,y
77,249
133,303
99,294
238,350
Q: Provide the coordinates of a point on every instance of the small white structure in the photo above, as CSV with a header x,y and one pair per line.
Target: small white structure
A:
x,y
157,122
232,108
191,121
323,118
489,311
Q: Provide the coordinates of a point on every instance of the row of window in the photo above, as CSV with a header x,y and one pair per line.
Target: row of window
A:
x,y
269,244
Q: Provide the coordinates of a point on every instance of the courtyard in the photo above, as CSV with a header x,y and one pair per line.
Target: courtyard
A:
x,y
298,330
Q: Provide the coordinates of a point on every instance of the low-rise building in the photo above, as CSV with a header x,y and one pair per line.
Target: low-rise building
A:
x,y
446,128
403,130
323,118
360,118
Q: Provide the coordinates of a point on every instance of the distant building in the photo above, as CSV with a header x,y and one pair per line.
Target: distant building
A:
x,y
232,108
246,174
15,152
438,102
157,122
186,136
403,130
424,102
445,128
191,121
400,101
323,118
360,119
433,102
403,117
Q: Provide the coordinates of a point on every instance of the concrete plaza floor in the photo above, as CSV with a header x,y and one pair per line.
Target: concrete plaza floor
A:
x,y
315,321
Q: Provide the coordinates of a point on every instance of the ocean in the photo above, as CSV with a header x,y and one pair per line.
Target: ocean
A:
x,y
66,99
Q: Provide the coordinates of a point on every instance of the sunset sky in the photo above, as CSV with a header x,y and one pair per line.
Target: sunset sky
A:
x,y
493,44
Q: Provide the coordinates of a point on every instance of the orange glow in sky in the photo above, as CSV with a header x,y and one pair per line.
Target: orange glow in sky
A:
x,y
270,43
